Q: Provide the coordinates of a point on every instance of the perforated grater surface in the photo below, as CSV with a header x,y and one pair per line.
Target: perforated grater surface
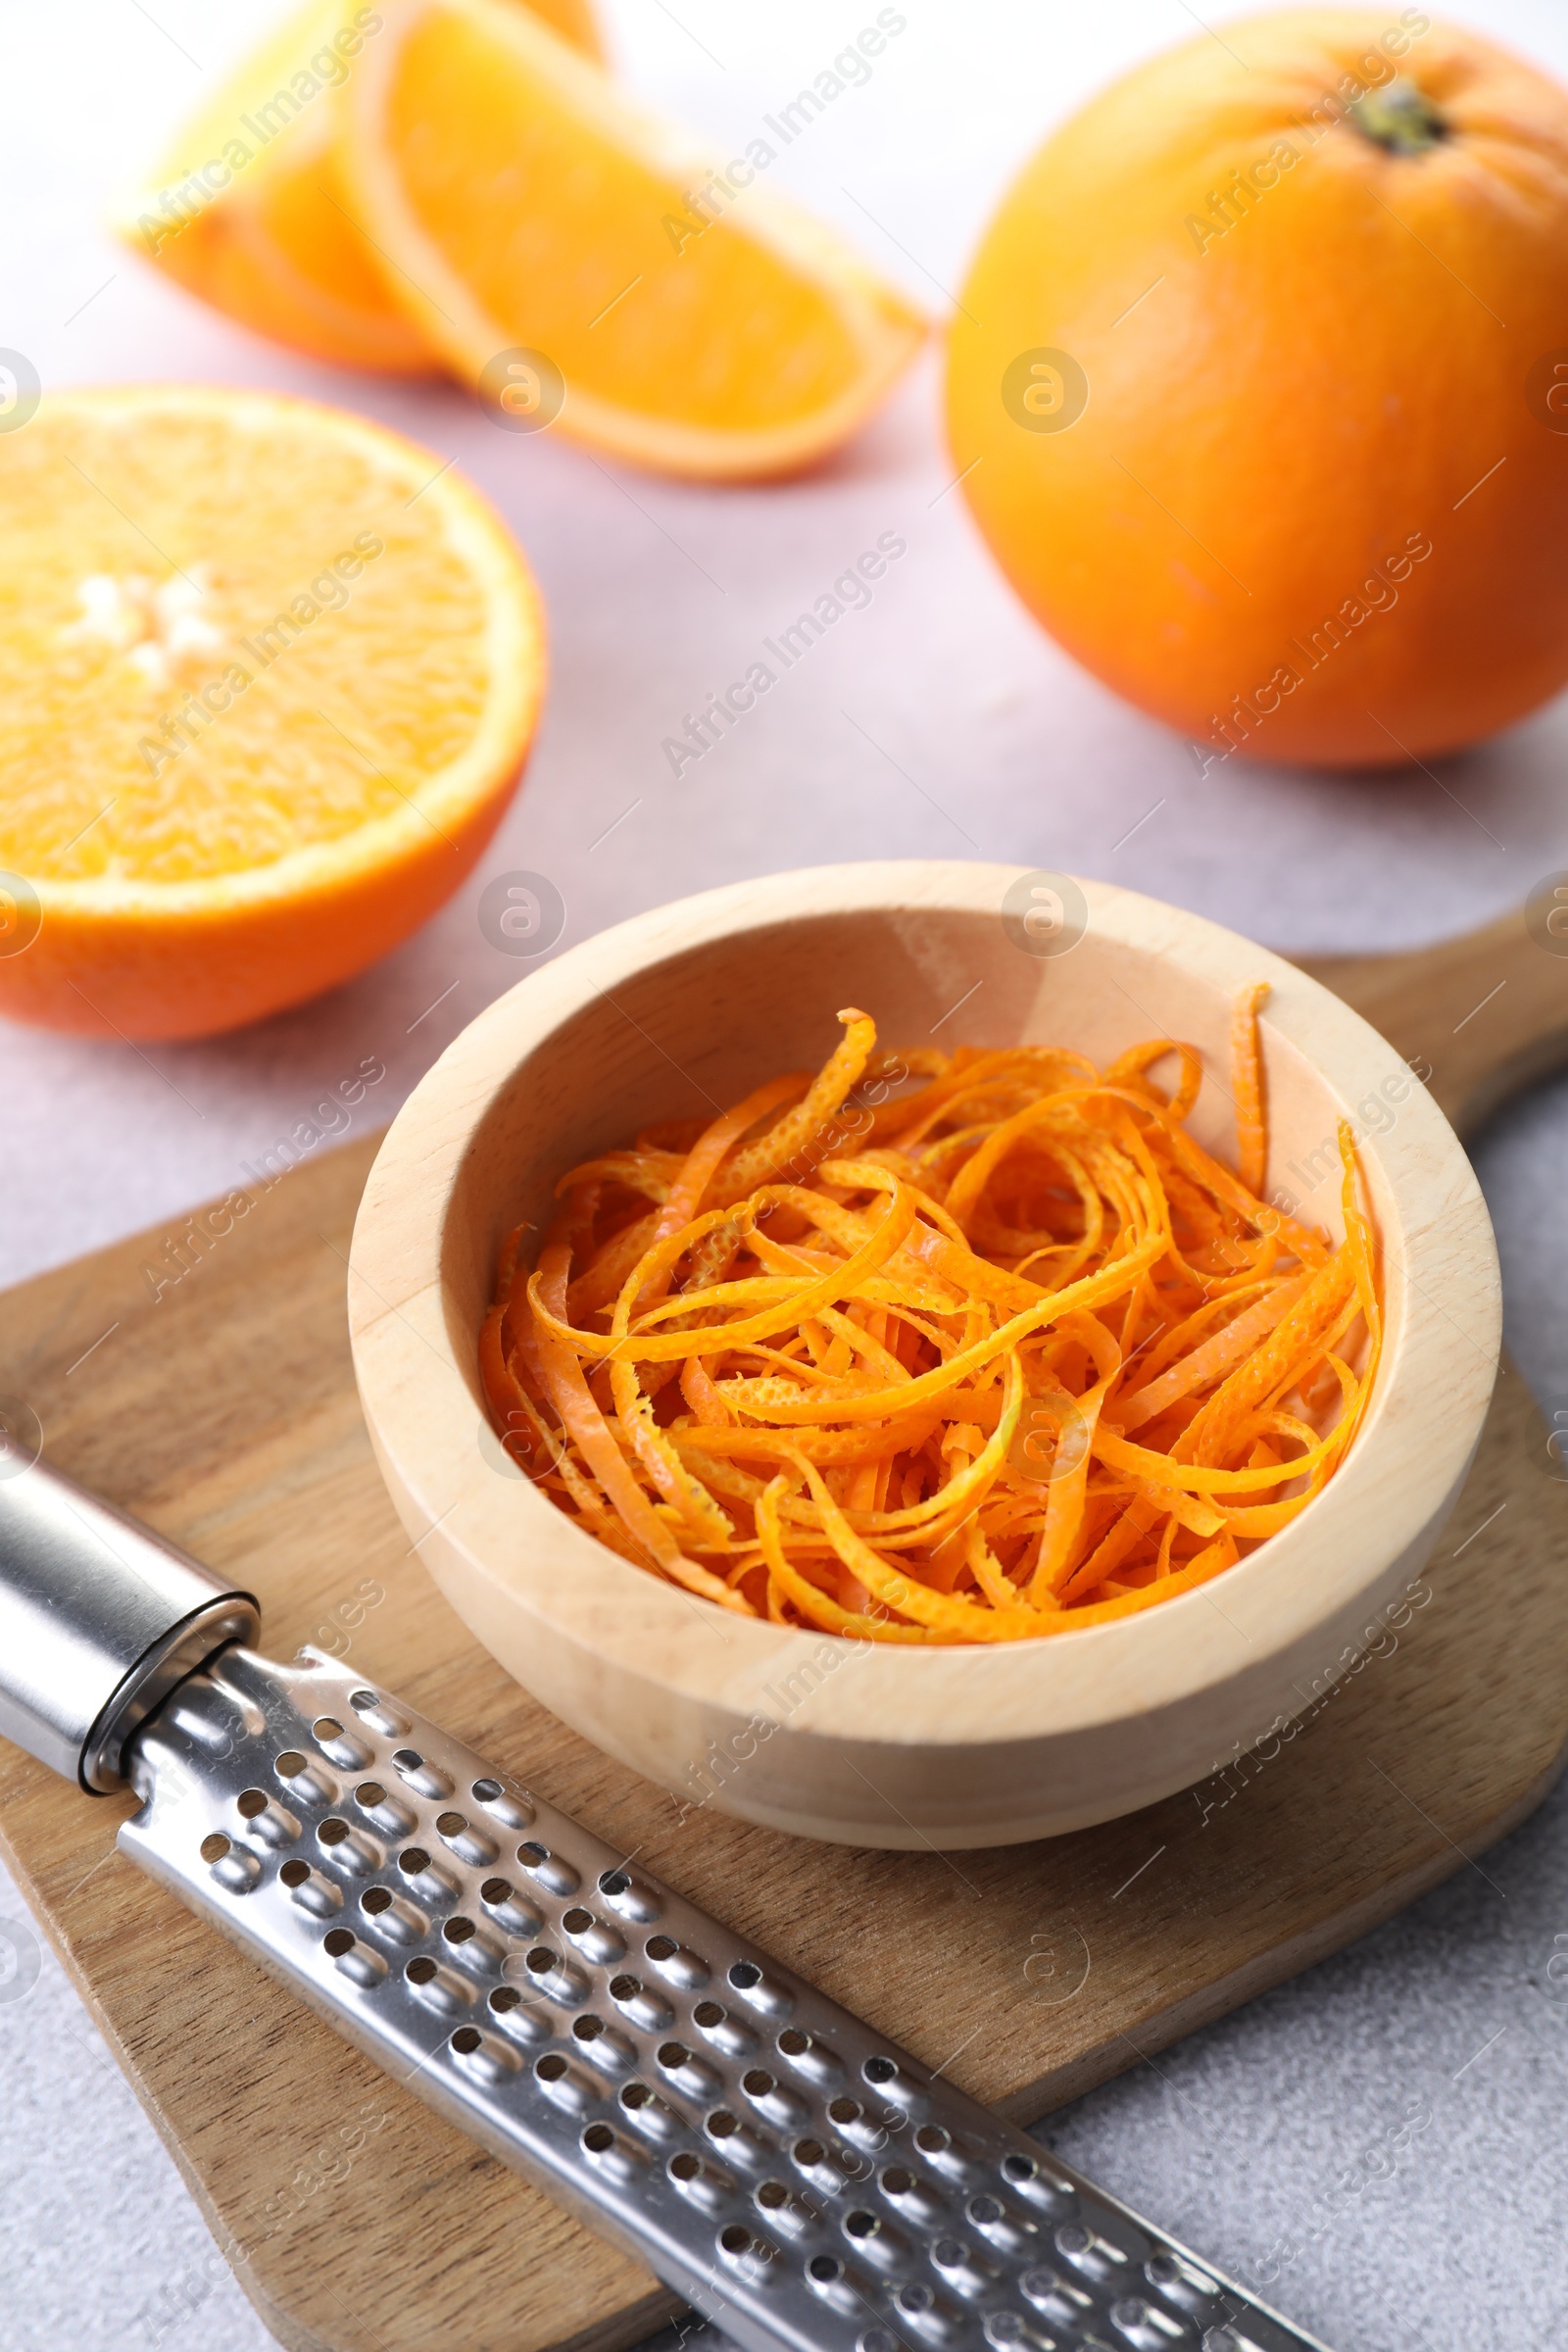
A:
x,y
786,2170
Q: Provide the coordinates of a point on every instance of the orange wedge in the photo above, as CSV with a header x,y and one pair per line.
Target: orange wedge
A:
x,y
544,226
267,677
248,212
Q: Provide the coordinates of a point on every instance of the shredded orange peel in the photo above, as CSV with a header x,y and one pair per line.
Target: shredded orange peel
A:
x,y
979,1360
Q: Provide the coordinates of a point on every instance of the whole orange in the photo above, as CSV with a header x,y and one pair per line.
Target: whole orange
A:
x,y
1259,387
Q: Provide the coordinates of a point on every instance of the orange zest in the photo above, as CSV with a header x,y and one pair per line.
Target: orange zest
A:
x,y
1247,1074
979,1360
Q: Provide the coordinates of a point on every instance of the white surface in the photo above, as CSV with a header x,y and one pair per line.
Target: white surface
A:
x,y
991,743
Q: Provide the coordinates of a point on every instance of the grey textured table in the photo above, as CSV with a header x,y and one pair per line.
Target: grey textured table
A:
x,y
938,722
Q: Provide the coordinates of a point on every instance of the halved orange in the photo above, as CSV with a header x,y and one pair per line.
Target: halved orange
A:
x,y
248,212
267,677
540,221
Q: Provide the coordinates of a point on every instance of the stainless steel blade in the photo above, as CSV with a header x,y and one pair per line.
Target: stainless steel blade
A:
x,y
780,2165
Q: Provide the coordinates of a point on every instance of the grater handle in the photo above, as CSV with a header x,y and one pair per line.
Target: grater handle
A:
x,y
99,1619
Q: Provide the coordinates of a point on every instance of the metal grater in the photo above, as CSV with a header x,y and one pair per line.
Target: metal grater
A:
x,y
786,2170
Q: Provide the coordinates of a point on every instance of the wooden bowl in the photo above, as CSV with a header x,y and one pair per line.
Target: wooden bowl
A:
x,y
687,1009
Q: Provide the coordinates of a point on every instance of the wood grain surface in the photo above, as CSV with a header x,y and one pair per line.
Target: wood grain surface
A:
x,y
225,1413
225,1416
1485,1013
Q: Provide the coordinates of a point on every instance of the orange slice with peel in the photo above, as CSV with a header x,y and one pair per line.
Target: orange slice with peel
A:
x,y
267,676
247,210
533,212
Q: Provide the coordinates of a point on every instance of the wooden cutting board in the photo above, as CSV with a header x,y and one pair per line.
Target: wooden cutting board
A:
x,y
224,1412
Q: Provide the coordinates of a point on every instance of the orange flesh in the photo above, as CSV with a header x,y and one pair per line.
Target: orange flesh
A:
x,y
492,201
267,676
181,503
522,203
1026,1360
279,247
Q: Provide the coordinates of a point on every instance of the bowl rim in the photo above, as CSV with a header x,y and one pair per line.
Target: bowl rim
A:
x,y
1442,1288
